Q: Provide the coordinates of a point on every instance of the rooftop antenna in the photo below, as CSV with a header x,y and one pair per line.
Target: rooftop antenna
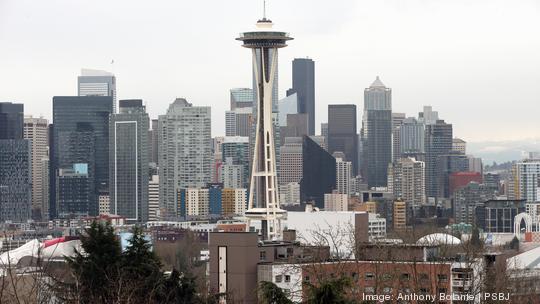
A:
x,y
264,9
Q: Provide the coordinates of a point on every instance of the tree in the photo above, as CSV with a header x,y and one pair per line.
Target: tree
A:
x,y
141,269
329,291
270,293
96,269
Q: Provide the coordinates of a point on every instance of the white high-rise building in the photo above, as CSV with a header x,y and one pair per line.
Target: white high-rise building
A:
x,y
406,180
153,198
36,130
526,174
185,154
290,170
343,176
231,175
411,136
97,83
336,202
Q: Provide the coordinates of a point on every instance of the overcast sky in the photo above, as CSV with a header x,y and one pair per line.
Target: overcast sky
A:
x,y
476,62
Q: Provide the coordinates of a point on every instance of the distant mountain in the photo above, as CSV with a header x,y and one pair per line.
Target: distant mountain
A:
x,y
502,151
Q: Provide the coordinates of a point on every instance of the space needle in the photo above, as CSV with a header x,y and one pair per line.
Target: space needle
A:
x,y
263,203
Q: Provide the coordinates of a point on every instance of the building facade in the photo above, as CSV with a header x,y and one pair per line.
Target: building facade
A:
x,y
185,156
406,180
36,130
342,135
80,135
97,83
291,168
318,172
377,134
128,161
303,84
343,176
438,142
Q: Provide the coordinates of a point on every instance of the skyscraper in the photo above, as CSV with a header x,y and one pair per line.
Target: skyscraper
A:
x,y
236,149
397,123
406,180
411,137
185,155
241,98
80,135
290,170
377,133
342,135
445,165
15,165
297,126
526,178
287,105
36,130
263,195
318,172
11,120
438,142
239,122
343,176
97,83
303,79
128,161
153,142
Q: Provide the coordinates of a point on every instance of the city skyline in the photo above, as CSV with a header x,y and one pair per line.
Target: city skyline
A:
x,y
477,63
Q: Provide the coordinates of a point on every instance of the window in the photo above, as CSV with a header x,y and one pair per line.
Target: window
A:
x,y
278,278
290,251
307,279
354,276
442,278
405,277
369,290
386,277
424,277
287,278
387,289
369,276
443,290
424,290
262,255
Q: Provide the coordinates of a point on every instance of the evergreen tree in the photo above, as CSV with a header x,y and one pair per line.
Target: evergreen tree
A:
x,y
329,291
141,271
270,293
96,268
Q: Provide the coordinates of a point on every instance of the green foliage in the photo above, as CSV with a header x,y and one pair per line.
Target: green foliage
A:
x,y
96,269
329,291
270,293
105,274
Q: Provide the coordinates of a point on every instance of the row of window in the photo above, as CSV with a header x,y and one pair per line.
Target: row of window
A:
x,y
370,276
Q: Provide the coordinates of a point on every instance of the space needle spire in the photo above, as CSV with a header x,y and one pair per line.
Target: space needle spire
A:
x,y
263,203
